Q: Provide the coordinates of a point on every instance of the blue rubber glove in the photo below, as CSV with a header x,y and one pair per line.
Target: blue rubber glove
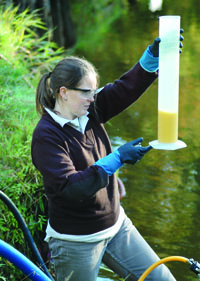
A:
x,y
110,163
149,59
148,62
154,48
130,153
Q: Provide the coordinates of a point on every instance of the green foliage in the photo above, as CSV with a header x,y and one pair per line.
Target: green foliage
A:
x,y
22,48
23,57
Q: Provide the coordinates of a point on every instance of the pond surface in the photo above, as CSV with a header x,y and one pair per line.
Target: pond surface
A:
x,y
163,189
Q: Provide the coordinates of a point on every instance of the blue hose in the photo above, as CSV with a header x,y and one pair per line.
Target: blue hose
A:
x,y
22,262
25,231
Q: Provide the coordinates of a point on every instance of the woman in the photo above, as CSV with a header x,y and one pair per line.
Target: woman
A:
x,y
71,149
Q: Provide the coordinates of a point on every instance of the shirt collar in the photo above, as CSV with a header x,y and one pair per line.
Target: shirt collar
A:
x,y
76,123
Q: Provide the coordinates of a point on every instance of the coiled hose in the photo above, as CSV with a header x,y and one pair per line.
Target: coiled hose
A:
x,y
26,232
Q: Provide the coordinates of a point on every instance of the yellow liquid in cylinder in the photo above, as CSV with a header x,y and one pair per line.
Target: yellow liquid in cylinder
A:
x,y
167,126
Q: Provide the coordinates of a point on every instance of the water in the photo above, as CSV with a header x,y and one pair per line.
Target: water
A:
x,y
163,189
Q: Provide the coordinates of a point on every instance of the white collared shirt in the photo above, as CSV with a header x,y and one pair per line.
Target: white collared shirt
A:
x,y
78,123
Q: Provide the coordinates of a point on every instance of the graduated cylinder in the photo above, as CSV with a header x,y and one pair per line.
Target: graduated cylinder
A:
x,y
168,82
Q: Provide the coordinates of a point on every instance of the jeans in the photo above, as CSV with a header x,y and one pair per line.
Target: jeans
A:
x,y
127,254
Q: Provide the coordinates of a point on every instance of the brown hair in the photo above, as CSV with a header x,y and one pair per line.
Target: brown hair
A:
x,y
68,72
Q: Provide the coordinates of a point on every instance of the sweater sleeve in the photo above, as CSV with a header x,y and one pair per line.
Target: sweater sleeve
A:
x,y
60,176
116,97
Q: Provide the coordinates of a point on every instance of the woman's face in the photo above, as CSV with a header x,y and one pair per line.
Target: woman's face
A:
x,y
77,102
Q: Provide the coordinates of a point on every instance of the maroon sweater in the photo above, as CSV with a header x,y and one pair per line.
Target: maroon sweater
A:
x,y
82,198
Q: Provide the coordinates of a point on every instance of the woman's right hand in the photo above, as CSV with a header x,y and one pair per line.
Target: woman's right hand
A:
x,y
132,151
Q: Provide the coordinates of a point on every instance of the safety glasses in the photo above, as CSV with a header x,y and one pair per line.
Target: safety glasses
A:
x,y
86,93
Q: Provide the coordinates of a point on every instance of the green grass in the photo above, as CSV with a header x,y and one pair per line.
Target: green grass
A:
x,y
23,58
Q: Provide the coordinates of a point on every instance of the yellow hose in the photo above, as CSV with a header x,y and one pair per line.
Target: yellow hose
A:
x,y
172,258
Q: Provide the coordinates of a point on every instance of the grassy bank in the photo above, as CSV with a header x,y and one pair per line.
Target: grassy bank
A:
x,y
23,58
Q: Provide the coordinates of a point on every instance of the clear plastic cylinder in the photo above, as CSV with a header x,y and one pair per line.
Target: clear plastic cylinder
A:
x,y
168,82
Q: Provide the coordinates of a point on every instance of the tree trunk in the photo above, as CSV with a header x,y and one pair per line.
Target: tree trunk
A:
x,y
68,24
131,2
64,31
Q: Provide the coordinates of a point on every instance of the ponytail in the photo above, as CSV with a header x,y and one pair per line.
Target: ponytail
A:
x,y
44,94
